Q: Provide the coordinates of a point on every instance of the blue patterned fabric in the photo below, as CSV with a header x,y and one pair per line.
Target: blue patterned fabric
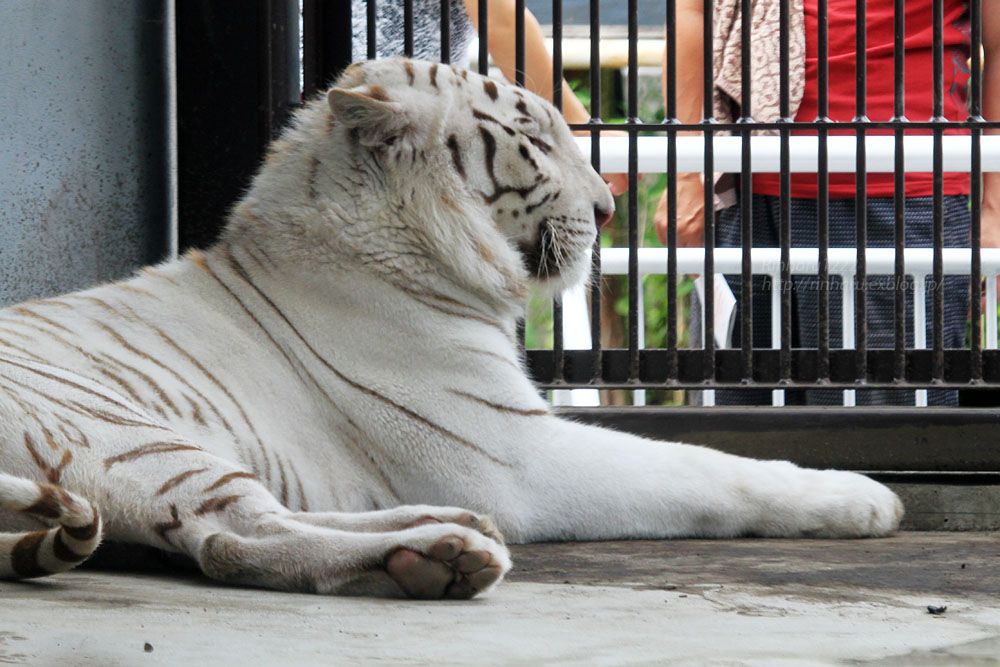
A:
x,y
881,295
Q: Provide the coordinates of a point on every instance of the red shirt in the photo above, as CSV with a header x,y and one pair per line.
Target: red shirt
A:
x,y
918,80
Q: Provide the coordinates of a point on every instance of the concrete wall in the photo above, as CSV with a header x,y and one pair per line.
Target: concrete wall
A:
x,y
83,188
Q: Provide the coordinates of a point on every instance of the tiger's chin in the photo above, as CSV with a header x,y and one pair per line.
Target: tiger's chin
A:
x,y
555,263
551,279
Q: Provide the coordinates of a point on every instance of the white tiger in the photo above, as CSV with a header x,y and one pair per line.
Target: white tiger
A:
x,y
306,405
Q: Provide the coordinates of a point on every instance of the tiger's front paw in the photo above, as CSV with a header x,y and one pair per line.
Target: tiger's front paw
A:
x,y
882,510
847,504
447,561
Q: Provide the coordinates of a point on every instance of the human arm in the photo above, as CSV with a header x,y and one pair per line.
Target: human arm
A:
x,y
537,63
991,111
690,100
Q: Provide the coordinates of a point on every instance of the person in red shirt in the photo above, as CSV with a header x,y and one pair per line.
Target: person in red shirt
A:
x,y
918,95
880,213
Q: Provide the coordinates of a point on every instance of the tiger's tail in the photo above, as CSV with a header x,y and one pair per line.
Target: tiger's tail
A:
x,y
57,549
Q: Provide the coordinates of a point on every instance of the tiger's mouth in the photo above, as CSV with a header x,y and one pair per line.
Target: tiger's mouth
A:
x,y
543,256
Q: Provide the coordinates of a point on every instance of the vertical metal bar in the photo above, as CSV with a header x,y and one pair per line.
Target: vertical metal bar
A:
x,y
774,278
326,43
671,118
708,89
937,360
557,53
408,27
746,195
633,199
274,71
293,46
372,50
484,36
595,61
784,191
558,344
519,41
976,190
899,182
861,198
823,190
595,161
519,80
310,48
445,31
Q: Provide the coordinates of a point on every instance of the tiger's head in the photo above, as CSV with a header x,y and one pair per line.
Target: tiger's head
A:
x,y
482,175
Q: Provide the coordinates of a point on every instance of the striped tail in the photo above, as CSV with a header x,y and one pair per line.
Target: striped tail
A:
x,y
44,552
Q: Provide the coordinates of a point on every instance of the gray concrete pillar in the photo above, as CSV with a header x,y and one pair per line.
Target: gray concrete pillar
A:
x,y
83,142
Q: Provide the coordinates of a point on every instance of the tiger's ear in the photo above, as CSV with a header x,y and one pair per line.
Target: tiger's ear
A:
x,y
370,113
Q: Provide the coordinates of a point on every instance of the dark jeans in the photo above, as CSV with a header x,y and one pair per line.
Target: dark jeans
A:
x,y
880,290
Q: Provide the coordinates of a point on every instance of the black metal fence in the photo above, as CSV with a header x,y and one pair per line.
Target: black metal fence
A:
x,y
885,439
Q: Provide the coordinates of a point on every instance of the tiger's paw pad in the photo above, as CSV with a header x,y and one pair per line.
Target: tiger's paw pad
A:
x,y
448,570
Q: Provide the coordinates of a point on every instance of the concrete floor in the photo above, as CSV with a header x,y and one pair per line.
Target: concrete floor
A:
x,y
693,602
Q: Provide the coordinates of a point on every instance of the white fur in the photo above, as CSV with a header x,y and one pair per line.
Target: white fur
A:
x,y
355,329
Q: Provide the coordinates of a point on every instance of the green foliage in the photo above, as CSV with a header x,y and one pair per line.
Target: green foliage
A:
x,y
538,323
581,89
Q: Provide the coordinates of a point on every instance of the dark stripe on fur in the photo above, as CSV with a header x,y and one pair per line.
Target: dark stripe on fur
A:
x,y
111,418
490,147
199,261
52,474
216,504
48,505
225,479
148,450
303,504
27,354
540,145
494,355
63,551
490,88
80,440
456,155
499,407
283,495
223,388
178,479
426,300
84,533
72,384
161,529
482,115
24,556
161,394
21,310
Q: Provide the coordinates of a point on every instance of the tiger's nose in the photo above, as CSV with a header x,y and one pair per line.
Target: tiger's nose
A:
x,y
602,216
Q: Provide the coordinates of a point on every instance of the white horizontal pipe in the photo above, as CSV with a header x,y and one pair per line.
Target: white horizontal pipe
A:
x,y
842,261
918,152
576,53
614,53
